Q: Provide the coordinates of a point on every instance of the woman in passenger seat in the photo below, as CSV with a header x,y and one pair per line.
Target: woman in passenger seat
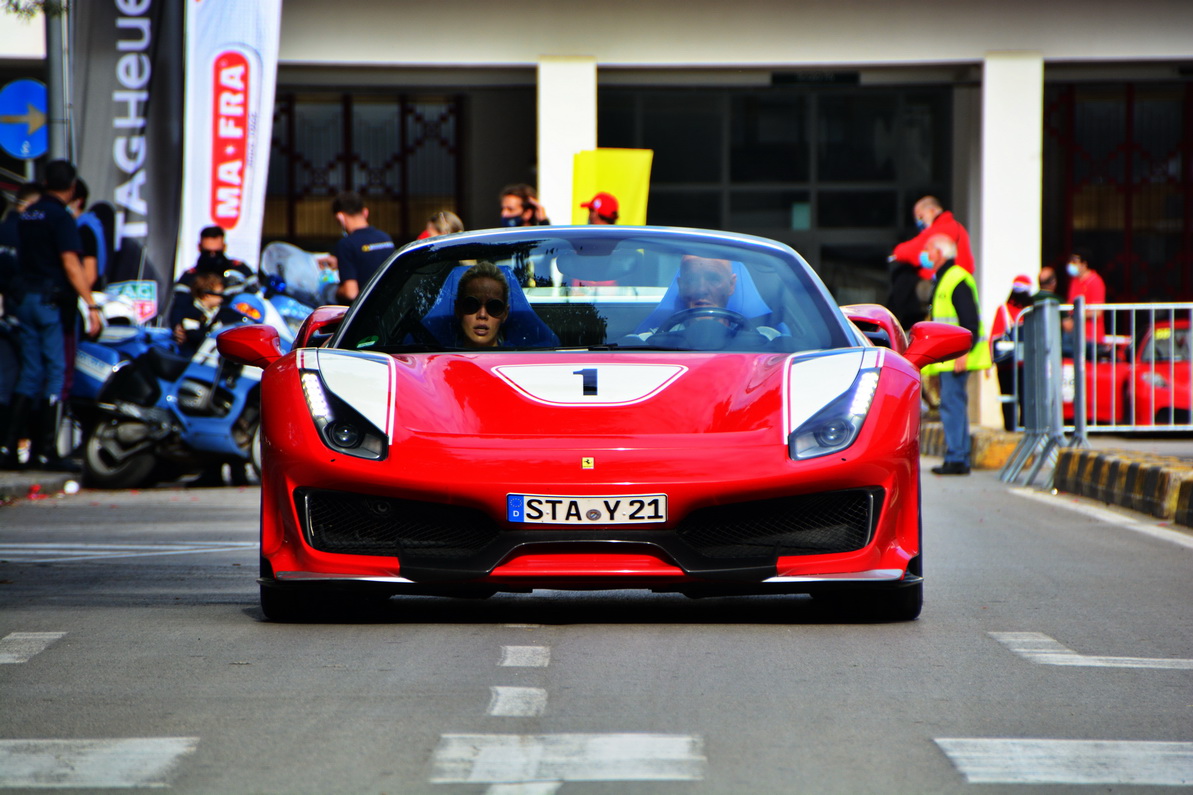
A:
x,y
482,305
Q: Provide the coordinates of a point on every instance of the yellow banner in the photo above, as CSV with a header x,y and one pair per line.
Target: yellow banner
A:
x,y
623,173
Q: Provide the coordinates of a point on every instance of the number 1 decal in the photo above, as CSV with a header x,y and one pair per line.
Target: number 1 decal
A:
x,y
589,374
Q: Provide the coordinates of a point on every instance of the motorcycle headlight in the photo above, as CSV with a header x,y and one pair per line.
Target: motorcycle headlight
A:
x,y
341,427
835,426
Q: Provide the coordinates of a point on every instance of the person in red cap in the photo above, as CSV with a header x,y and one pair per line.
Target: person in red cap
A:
x,y
1002,340
602,209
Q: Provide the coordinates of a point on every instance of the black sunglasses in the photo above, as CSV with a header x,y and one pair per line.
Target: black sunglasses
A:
x,y
470,305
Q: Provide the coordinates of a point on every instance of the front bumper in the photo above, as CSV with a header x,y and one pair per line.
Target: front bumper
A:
x,y
875,579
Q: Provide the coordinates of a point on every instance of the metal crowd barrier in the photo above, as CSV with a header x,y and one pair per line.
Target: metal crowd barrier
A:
x,y
1036,365
1136,378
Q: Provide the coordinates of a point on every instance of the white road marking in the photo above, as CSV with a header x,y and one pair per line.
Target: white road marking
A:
x,y
19,647
525,656
522,626
91,764
525,788
556,758
55,553
517,702
1110,517
1005,761
1042,649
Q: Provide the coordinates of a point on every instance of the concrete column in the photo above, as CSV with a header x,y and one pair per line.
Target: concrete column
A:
x,y
1012,185
567,124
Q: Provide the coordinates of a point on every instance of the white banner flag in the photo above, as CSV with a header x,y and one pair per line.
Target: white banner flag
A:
x,y
231,73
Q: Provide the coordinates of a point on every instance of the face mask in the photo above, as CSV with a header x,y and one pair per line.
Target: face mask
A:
x,y
512,221
1072,270
920,224
926,262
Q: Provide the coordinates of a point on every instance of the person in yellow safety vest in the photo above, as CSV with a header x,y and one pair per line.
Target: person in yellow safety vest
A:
x,y
955,301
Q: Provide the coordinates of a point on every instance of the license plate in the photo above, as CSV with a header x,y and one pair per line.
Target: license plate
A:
x,y
556,509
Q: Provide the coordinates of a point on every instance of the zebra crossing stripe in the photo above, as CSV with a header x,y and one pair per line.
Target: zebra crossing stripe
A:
x,y
525,788
20,647
91,764
1006,761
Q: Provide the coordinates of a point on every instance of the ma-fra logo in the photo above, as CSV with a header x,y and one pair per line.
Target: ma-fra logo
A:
x,y
232,80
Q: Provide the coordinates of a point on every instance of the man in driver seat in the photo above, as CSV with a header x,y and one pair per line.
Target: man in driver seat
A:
x,y
703,283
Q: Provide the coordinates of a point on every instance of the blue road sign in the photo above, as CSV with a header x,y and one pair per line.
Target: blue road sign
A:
x,y
23,131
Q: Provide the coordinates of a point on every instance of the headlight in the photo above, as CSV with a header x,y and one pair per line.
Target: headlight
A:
x,y
340,426
836,426
1154,380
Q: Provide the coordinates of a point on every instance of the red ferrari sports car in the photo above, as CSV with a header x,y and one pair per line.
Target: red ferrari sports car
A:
x,y
592,407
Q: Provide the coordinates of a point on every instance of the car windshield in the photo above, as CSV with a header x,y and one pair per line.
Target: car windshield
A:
x,y
1167,344
568,288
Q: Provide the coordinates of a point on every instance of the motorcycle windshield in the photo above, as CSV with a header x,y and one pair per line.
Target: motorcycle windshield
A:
x,y
297,268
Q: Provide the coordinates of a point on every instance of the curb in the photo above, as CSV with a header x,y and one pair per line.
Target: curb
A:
x,y
989,449
33,484
1154,485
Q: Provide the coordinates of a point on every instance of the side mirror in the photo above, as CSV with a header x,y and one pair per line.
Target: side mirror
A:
x,y
253,345
319,325
936,342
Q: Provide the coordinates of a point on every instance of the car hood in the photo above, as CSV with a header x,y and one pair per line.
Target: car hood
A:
x,y
583,394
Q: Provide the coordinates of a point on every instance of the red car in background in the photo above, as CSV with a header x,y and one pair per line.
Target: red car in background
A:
x,y
1161,385
1150,388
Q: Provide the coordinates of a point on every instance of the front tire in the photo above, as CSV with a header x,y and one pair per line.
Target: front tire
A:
x,y
105,467
286,604
902,604
255,450
897,604
296,604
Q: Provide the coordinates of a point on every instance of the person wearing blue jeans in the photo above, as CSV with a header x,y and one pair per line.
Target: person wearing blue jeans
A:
x,y
954,416
955,301
50,277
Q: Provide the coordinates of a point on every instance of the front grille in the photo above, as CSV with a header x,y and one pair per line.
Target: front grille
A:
x,y
446,541
810,524
360,524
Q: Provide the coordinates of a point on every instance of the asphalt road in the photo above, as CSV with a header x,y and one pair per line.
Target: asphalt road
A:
x,y
1055,648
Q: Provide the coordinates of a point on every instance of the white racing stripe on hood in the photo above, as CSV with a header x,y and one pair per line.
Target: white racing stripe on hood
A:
x,y
814,381
365,381
589,384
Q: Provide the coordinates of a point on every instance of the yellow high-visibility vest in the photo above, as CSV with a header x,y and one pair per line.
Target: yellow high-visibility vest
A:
x,y
943,311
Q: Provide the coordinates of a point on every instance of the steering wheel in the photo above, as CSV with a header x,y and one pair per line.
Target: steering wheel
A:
x,y
735,320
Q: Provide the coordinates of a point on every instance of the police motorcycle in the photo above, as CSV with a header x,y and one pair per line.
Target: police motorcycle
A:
x,y
159,415
121,339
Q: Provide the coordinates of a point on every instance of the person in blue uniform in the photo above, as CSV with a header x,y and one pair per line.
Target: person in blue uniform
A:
x,y
361,251
50,278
